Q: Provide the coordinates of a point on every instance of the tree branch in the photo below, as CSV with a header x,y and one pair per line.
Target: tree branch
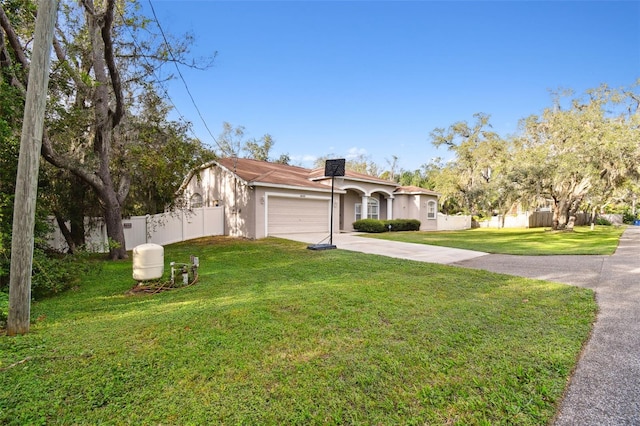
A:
x,y
50,154
111,63
62,58
123,188
14,40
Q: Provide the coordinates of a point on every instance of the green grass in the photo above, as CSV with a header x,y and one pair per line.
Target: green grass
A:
x,y
277,334
531,241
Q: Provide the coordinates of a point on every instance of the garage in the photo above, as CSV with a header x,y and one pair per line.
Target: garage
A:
x,y
297,214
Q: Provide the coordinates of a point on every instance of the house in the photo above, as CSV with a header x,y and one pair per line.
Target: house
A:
x,y
263,199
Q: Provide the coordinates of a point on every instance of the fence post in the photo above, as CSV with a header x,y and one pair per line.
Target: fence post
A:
x,y
183,215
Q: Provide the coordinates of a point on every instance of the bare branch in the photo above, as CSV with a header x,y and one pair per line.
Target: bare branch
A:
x,y
14,40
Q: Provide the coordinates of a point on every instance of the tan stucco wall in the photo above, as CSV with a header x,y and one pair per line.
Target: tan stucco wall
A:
x,y
349,211
415,206
216,185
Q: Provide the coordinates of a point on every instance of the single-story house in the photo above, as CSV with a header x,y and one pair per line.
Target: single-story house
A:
x,y
262,198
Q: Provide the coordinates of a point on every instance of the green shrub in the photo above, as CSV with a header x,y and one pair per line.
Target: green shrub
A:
x,y
628,217
51,272
403,224
603,221
369,225
377,226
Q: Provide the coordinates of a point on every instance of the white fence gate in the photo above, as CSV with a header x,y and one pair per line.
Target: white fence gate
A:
x,y
163,228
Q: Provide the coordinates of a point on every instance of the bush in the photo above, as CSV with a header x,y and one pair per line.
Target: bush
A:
x,y
51,273
370,225
602,221
628,217
377,226
403,224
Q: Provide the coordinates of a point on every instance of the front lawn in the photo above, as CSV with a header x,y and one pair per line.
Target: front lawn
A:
x,y
531,241
277,334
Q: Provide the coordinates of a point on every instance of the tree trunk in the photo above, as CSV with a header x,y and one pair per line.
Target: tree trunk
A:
x,y
560,214
77,210
66,233
106,120
593,217
115,230
574,205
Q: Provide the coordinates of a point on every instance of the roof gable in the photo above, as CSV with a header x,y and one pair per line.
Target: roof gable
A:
x,y
263,172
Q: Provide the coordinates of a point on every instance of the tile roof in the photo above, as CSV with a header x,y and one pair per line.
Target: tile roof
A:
x,y
414,190
262,172
318,174
256,172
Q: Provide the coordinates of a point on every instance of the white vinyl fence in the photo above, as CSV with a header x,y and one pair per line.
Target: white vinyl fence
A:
x,y
510,221
163,228
453,223
541,220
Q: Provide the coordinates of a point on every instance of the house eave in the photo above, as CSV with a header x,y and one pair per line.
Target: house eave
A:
x,y
355,179
433,194
294,187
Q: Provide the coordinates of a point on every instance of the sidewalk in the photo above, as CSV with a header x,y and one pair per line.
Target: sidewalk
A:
x,y
605,388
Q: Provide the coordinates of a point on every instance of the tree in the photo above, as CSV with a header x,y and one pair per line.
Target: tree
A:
x,y
159,155
259,150
283,159
102,61
358,164
232,141
391,174
479,152
586,150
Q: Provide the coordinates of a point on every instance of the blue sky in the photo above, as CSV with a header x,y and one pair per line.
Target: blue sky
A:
x,y
376,77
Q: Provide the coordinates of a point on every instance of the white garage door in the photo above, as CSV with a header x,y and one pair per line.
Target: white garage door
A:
x,y
287,215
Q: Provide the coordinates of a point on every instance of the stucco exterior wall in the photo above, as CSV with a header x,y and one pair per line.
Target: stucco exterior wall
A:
x,y
217,187
415,206
350,200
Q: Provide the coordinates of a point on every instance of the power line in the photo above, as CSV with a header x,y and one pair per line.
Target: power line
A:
x,y
175,63
157,77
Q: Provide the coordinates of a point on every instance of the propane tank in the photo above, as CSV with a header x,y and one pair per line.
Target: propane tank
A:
x,y
148,262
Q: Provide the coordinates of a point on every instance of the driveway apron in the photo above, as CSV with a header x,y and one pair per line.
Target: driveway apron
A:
x,y
605,387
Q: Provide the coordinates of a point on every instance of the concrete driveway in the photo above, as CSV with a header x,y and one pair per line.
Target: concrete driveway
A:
x,y
419,252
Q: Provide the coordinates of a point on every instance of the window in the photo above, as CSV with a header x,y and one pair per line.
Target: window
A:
x,y
431,209
373,209
195,202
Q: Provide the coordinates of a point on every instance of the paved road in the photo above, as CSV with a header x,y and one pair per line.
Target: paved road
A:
x,y
605,388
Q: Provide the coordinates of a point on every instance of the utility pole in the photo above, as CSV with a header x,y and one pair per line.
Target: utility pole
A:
x,y
28,166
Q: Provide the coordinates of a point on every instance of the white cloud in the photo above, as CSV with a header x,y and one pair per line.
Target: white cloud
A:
x,y
306,160
356,152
